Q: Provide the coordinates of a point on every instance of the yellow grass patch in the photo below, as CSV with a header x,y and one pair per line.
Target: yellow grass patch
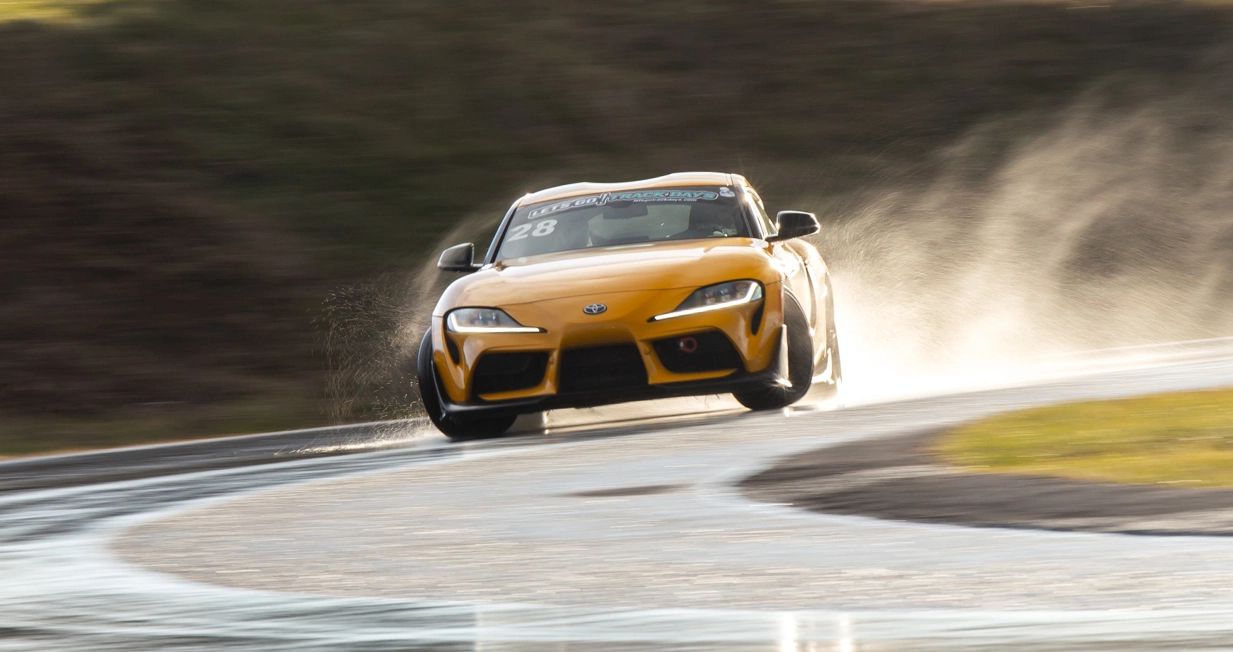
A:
x,y
1183,439
46,10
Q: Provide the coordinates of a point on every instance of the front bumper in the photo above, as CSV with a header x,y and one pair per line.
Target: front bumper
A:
x,y
595,398
753,331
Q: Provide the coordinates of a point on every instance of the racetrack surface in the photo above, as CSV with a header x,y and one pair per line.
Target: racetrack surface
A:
x,y
628,537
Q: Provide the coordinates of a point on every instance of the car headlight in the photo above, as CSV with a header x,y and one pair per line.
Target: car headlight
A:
x,y
716,297
485,320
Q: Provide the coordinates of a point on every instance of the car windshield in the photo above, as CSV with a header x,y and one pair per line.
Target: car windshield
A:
x,y
627,217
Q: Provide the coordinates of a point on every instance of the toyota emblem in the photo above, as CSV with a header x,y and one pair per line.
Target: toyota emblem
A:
x,y
595,309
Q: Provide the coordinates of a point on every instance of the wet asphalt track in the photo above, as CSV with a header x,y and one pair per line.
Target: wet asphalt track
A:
x,y
873,584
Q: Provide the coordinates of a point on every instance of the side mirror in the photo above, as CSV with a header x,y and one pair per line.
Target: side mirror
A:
x,y
458,258
794,224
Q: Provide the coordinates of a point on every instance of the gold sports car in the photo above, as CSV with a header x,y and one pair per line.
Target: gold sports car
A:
x,y
604,293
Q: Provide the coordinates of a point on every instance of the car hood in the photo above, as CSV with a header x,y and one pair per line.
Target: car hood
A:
x,y
627,268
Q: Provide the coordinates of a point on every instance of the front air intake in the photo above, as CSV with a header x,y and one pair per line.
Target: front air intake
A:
x,y
696,352
599,368
508,372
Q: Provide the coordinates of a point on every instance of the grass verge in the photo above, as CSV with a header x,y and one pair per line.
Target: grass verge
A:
x,y
1183,439
22,435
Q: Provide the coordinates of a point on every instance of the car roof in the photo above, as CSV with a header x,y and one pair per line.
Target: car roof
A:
x,y
666,181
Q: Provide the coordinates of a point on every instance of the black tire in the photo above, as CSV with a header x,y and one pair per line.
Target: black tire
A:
x,y
455,427
800,366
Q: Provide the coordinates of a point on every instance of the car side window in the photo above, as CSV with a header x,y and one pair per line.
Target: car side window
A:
x,y
768,226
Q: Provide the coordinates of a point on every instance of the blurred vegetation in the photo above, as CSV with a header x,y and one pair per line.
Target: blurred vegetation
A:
x,y
1175,439
187,187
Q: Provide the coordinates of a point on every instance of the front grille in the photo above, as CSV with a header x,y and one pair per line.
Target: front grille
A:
x,y
506,372
601,368
706,351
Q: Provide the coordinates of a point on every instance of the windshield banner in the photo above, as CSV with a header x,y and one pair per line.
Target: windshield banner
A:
x,y
637,196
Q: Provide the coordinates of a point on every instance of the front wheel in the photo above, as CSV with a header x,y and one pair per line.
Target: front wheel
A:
x,y
799,345
455,427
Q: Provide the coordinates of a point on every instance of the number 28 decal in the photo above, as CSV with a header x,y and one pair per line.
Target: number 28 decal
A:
x,y
534,229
